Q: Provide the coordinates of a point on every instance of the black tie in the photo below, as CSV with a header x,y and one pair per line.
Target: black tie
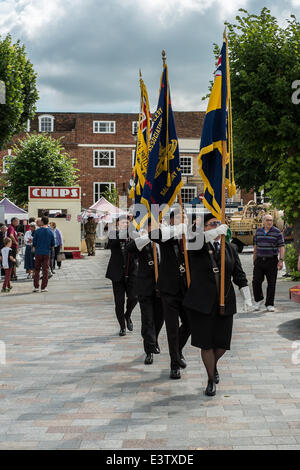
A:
x,y
217,247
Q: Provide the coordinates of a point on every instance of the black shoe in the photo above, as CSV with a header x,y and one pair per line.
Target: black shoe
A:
x,y
182,362
210,389
156,350
122,332
148,359
129,323
217,377
175,374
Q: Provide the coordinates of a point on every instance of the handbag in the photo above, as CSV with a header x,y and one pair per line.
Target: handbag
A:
x,y
61,257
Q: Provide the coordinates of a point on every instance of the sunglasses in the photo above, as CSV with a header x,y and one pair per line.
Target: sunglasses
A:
x,y
214,224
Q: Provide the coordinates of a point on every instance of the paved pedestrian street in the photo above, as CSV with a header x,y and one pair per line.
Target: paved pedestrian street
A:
x,y
70,382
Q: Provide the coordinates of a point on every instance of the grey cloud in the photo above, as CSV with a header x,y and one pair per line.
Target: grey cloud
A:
x,y
97,49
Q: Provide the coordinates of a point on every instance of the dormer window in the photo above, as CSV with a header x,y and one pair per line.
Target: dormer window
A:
x,y
46,123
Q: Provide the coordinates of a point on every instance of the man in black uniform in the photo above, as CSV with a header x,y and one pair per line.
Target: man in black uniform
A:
x,y
148,295
172,287
122,271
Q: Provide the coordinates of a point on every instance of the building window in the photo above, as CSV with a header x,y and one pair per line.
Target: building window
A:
x,y
99,189
186,164
104,127
46,123
135,127
188,193
104,158
133,158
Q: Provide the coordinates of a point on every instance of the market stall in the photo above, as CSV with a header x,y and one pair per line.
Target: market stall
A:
x,y
10,210
62,205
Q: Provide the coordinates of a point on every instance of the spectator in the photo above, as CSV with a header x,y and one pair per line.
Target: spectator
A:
x,y
12,234
268,241
29,255
58,245
7,263
43,241
3,232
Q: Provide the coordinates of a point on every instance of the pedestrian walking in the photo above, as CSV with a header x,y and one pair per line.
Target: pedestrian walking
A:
x,y
172,287
90,235
211,331
148,295
43,241
12,234
29,255
122,271
7,260
268,241
58,246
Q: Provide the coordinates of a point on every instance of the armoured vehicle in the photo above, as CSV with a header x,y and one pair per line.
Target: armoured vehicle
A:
x,y
243,223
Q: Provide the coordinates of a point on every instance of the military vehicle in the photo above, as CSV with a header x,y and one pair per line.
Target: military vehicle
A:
x,y
244,222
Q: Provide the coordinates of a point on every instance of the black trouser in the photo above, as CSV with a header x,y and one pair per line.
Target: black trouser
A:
x,y
120,288
152,320
265,267
56,252
177,335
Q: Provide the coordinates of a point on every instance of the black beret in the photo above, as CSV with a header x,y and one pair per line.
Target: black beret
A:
x,y
208,216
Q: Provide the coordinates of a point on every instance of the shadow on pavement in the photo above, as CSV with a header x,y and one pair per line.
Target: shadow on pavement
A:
x,y
290,329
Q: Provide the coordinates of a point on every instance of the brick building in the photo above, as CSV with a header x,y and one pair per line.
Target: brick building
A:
x,y
104,144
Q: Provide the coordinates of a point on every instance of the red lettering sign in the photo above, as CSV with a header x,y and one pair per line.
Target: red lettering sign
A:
x,y
52,192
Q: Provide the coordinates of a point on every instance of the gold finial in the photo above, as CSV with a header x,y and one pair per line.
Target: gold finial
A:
x,y
164,57
140,73
224,34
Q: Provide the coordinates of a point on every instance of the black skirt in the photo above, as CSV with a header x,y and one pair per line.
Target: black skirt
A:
x,y
210,331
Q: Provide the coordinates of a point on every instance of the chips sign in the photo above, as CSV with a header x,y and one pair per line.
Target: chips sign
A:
x,y
2,92
51,192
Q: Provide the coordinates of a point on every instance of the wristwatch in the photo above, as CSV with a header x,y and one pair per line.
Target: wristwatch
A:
x,y
280,259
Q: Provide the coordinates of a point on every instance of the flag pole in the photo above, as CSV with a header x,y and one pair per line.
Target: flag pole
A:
x,y
223,205
222,280
153,244
186,258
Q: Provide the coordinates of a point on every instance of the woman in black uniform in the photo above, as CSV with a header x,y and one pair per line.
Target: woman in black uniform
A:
x,y
210,331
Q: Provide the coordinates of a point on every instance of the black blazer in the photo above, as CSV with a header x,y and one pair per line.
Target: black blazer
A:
x,y
121,263
145,284
170,281
202,295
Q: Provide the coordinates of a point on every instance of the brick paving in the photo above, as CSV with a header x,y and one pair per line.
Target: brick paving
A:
x,y
70,382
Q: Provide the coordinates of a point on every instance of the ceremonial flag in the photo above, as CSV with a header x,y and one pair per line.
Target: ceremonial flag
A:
x,y
142,147
163,180
217,128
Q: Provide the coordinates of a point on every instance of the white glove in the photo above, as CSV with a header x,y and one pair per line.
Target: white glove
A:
x,y
180,229
172,231
245,292
142,241
211,235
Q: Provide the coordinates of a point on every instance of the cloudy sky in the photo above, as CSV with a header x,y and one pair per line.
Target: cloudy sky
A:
x,y
87,53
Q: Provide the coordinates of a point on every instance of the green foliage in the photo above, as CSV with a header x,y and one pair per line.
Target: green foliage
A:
x,y
291,258
39,160
17,73
264,63
111,195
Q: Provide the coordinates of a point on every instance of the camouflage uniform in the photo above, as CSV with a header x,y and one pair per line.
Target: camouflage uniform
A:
x,y
90,236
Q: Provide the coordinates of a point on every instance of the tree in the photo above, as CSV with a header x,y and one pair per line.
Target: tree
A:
x,y
111,195
39,160
264,65
16,71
